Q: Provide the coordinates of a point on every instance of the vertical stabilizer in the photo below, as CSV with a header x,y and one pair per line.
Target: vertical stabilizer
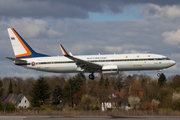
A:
x,y
20,47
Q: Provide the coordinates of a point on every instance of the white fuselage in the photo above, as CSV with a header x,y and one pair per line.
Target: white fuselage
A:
x,y
124,62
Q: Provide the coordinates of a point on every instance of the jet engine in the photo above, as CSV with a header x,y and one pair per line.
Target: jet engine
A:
x,y
110,69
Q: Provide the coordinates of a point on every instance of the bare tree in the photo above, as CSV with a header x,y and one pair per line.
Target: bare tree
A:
x,y
154,104
134,102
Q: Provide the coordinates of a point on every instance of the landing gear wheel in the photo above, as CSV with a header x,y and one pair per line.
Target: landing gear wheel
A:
x,y
91,76
158,74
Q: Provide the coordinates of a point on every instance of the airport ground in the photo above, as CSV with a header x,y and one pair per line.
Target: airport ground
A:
x,y
89,117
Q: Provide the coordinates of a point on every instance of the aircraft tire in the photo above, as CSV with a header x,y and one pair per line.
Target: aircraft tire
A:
x,y
91,76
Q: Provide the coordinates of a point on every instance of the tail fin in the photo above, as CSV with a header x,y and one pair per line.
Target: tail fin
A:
x,y
20,47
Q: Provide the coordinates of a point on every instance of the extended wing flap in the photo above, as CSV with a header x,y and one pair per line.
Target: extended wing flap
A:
x,y
88,66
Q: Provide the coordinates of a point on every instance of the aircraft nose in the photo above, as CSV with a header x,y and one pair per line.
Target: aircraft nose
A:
x,y
172,62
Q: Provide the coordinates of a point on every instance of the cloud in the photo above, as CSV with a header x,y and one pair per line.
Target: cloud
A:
x,y
70,8
172,37
153,11
80,48
113,49
30,28
54,8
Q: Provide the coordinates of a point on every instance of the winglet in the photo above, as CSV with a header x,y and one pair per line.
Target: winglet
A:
x,y
63,50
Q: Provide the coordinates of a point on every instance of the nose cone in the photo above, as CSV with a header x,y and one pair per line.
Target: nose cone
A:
x,y
172,62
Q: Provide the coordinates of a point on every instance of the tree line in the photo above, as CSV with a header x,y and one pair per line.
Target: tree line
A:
x,y
80,93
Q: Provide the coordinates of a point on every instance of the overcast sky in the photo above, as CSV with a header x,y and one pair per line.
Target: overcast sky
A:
x,y
91,27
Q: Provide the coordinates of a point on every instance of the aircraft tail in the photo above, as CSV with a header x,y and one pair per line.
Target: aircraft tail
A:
x,y
20,47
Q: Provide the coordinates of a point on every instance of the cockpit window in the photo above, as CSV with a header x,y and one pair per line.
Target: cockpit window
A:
x,y
165,58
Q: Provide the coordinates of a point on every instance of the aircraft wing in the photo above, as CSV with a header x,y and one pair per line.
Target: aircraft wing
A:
x,y
87,66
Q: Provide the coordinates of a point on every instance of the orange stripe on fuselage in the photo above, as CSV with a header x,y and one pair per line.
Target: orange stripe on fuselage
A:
x,y
22,43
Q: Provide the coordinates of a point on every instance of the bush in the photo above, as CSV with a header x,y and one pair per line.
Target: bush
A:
x,y
75,108
60,108
36,108
57,107
43,107
30,108
95,108
10,106
164,111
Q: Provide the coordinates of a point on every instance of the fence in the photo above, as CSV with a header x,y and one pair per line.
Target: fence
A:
x,y
93,113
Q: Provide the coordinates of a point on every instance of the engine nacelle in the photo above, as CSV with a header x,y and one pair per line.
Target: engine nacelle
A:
x,y
110,69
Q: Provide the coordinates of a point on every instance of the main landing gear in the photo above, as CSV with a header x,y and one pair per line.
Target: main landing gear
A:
x,y
91,76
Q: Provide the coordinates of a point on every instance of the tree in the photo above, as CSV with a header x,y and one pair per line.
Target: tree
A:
x,y
18,83
10,88
106,84
72,86
40,92
1,106
68,90
162,79
164,95
134,102
4,105
136,88
154,103
86,102
175,82
117,81
57,93
101,81
176,100
1,88
128,82
78,95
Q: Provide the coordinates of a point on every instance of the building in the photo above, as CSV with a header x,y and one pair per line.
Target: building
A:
x,y
119,104
19,100
115,102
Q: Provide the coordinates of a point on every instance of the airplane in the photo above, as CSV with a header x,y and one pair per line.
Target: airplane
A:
x,y
26,57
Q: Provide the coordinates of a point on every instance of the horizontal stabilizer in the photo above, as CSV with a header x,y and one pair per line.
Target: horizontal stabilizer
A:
x,y
17,61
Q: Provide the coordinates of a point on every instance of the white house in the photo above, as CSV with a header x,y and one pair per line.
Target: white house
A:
x,y
19,100
118,103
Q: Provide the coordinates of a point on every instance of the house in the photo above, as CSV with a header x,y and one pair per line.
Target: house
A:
x,y
115,102
119,104
19,100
